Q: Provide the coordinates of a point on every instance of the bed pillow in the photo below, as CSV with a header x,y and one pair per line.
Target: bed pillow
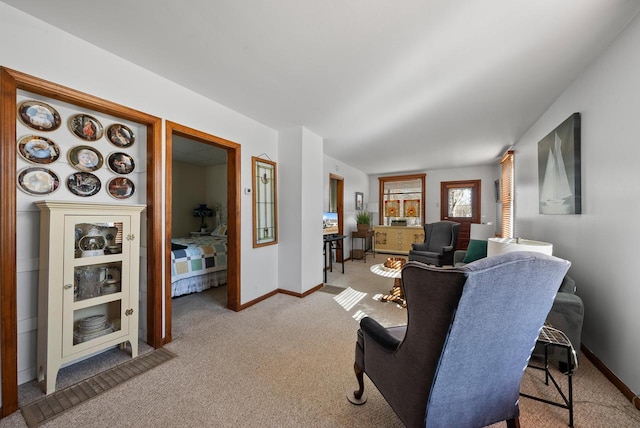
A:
x,y
477,249
221,230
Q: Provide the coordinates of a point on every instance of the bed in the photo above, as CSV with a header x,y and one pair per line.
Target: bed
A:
x,y
198,263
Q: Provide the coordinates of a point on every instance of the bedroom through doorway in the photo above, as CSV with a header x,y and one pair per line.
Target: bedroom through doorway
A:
x,y
201,192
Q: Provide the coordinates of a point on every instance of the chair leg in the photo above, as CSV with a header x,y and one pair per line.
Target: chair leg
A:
x,y
513,423
358,397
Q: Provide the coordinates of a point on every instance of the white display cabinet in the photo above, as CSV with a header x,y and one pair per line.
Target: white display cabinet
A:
x,y
88,285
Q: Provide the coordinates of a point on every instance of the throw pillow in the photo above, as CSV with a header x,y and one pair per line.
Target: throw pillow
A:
x,y
476,250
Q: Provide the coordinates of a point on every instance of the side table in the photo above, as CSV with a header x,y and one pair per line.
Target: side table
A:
x,y
395,294
367,244
550,336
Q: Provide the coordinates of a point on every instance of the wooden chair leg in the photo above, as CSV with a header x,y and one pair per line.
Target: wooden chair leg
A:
x,y
513,423
358,396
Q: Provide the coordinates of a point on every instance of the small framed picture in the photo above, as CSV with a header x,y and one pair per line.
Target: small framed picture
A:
x,y
85,158
121,163
120,135
39,115
85,127
359,201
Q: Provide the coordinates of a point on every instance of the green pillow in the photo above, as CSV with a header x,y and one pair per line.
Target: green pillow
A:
x,y
476,250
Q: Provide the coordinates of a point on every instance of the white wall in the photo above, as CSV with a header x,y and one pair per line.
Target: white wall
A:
x,y
300,215
104,75
602,242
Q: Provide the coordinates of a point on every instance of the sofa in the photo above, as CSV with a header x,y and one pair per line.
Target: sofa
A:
x,y
566,314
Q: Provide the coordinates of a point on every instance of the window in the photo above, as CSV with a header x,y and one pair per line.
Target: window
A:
x,y
402,200
506,193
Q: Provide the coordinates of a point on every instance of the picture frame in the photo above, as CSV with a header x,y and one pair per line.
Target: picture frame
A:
x,y
120,135
559,172
265,202
359,201
85,127
39,116
85,158
121,163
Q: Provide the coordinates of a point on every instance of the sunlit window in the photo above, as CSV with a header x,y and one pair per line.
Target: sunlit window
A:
x,y
402,200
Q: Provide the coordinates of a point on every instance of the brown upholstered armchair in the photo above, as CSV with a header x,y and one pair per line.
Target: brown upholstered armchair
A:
x,y
470,331
440,239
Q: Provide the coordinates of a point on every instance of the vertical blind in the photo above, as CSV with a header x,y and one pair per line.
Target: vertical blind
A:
x,y
506,193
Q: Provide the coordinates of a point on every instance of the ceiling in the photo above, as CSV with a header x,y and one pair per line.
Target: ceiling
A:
x,y
392,86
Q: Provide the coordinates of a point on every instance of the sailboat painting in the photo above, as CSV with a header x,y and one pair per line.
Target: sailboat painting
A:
x,y
559,169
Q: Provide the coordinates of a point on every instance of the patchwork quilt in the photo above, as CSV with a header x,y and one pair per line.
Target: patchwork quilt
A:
x,y
197,256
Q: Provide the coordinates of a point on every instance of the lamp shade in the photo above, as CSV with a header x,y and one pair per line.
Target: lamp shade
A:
x,y
505,245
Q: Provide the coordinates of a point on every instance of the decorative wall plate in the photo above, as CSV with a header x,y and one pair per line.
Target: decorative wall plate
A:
x,y
85,158
121,188
36,149
83,184
86,127
120,135
38,181
39,115
120,163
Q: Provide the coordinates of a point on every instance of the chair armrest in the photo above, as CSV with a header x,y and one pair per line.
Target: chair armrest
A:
x,y
379,334
447,248
421,246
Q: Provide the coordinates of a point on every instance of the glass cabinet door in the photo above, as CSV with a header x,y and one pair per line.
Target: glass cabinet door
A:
x,y
96,272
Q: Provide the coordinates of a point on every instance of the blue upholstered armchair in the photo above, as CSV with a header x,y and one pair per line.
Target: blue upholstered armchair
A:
x,y
470,331
440,239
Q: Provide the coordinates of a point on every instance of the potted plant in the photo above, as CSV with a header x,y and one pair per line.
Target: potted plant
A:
x,y
363,220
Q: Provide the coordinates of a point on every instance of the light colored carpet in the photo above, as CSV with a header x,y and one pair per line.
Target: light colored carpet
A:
x,y
288,362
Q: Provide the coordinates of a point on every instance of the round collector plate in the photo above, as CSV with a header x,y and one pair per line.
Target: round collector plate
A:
x,y
39,115
83,184
120,163
36,149
120,135
121,187
38,181
85,158
85,127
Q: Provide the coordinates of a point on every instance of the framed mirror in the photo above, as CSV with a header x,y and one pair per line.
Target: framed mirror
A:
x,y
265,202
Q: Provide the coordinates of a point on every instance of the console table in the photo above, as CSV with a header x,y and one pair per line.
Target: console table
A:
x,y
332,242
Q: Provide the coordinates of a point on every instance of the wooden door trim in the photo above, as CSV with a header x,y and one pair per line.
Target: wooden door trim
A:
x,y
233,214
10,82
340,209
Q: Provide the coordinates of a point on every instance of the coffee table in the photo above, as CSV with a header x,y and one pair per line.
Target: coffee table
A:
x,y
395,294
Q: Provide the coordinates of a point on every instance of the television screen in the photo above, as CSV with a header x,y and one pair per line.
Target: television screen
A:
x,y
329,223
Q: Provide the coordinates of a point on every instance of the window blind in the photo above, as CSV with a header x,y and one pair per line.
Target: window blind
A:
x,y
506,193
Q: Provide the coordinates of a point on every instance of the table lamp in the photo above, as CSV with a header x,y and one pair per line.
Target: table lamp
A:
x,y
505,245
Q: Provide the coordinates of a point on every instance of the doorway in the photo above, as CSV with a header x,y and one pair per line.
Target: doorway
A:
x,y
174,130
336,205
460,202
